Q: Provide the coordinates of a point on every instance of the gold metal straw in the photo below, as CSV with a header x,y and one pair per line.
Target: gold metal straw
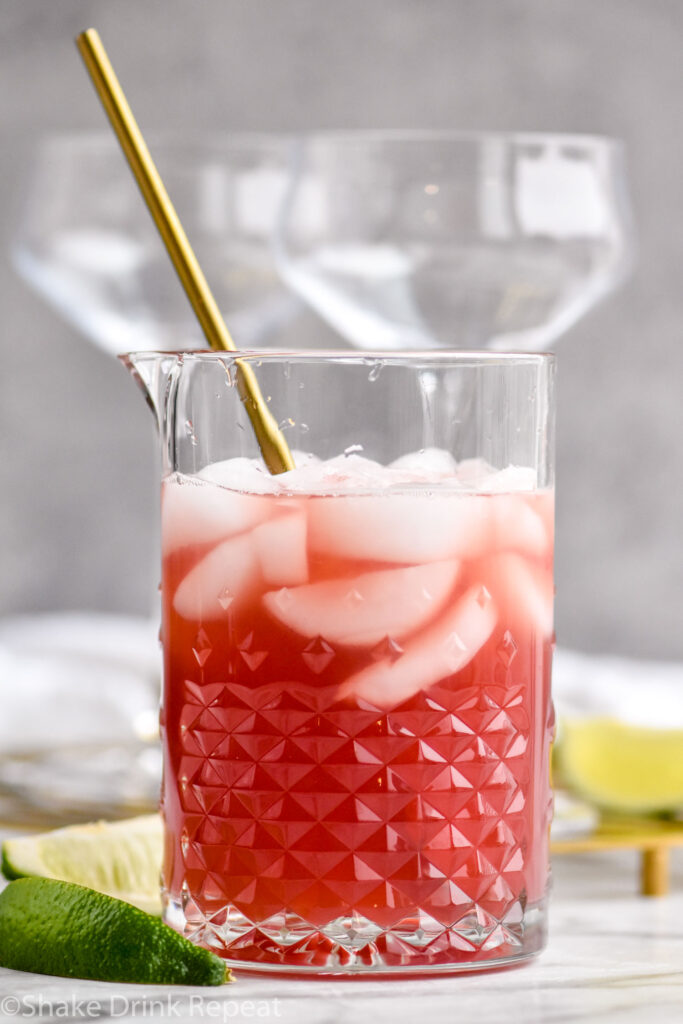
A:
x,y
274,448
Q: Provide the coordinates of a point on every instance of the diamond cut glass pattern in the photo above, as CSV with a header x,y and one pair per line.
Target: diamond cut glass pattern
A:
x,y
437,790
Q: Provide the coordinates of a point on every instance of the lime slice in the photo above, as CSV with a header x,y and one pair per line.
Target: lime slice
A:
x,y
50,927
621,767
121,859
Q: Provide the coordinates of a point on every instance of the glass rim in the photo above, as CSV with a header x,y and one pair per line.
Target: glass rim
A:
x,y
450,357
341,136
515,137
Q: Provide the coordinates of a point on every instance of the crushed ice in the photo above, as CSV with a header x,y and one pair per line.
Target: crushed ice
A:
x,y
351,472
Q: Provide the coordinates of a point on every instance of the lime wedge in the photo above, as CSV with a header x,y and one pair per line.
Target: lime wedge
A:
x,y
51,927
621,767
121,859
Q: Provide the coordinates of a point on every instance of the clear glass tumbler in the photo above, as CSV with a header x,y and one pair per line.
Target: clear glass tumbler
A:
x,y
356,714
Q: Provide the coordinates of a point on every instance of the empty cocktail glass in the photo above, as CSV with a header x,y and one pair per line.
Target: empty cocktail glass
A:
x,y
405,240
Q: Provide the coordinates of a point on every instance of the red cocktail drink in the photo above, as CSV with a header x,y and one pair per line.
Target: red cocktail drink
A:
x,y
356,714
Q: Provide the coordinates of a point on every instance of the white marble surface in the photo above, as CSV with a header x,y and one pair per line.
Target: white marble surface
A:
x,y
612,957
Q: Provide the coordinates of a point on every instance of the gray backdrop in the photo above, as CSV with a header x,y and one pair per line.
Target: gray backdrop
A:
x,y
78,466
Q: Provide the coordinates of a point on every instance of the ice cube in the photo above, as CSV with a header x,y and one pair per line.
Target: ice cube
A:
x,y
441,650
280,545
249,476
427,464
196,512
354,472
512,479
306,475
400,528
225,576
472,472
543,503
341,474
517,526
522,590
362,610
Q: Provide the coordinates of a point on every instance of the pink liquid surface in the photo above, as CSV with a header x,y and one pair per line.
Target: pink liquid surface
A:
x,y
356,722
